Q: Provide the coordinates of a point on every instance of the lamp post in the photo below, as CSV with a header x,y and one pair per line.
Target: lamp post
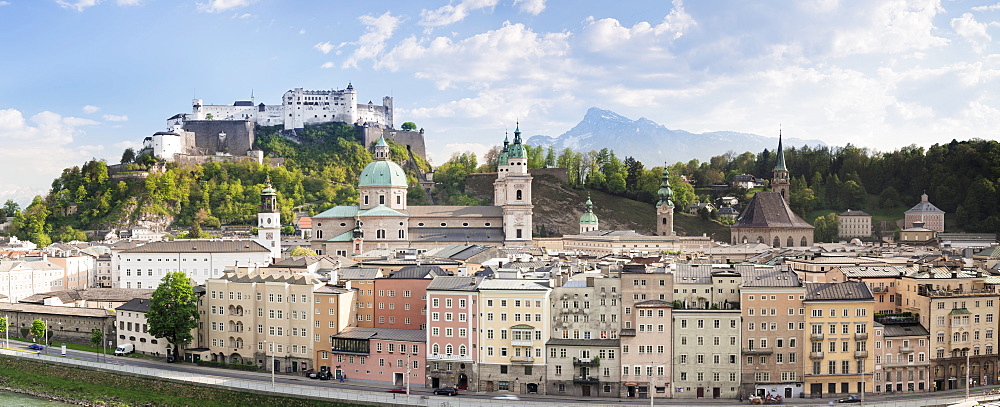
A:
x,y
408,375
968,372
272,362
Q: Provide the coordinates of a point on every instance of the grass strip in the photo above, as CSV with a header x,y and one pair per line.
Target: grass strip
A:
x,y
108,389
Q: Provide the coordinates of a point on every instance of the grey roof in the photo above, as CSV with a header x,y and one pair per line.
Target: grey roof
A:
x,y
455,211
57,310
512,284
574,284
890,330
200,246
306,261
263,277
385,334
851,212
454,283
329,289
457,234
612,233
874,271
91,294
653,304
457,252
770,277
769,210
603,343
531,265
418,272
924,206
848,290
693,274
728,210
358,273
135,305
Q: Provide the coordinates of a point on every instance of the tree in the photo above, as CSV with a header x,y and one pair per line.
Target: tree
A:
x,y
11,208
299,251
209,116
128,156
173,311
3,324
38,328
408,126
826,228
96,337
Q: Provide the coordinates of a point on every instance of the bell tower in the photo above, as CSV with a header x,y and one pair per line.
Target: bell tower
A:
x,y
779,181
512,192
269,220
665,207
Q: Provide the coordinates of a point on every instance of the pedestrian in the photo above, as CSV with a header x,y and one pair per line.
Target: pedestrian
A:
x,y
740,397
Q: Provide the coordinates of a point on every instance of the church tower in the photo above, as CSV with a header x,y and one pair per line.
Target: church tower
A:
x,y
588,221
269,220
779,182
665,207
512,191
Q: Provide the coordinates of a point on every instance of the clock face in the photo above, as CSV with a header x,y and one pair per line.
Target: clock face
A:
x,y
269,235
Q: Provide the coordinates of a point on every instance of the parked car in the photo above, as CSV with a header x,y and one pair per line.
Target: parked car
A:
x,y
397,390
854,398
124,349
507,397
36,346
324,375
446,391
312,374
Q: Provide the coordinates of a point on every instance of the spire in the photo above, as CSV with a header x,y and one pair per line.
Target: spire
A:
x,y
780,166
517,133
381,149
665,193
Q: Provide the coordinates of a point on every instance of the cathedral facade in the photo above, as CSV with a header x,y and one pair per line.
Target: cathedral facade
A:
x,y
383,220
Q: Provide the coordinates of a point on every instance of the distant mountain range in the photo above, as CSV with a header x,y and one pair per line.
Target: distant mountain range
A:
x,y
652,143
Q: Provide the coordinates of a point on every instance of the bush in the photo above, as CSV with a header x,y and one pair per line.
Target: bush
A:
x,y
248,367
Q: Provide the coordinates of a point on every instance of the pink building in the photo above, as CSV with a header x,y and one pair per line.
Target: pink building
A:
x,y
452,329
391,356
400,298
926,212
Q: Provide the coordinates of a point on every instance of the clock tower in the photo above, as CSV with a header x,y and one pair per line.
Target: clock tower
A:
x,y
269,221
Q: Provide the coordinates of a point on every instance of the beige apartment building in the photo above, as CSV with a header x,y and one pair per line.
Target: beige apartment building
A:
x,y
515,323
253,318
334,309
853,224
902,360
773,333
647,314
706,353
839,318
584,346
959,309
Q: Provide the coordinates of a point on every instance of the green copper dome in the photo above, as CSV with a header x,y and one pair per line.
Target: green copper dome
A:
x,y
502,159
383,174
268,189
665,193
588,217
516,150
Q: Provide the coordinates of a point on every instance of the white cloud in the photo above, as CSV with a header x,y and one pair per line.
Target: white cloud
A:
x,y
328,65
129,2
991,7
79,5
608,34
892,27
215,6
972,30
115,118
302,31
370,45
453,13
324,47
90,109
37,149
533,7
511,52
4,3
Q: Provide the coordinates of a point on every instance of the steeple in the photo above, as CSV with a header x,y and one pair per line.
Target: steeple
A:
x,y
780,166
382,150
665,193
665,207
779,181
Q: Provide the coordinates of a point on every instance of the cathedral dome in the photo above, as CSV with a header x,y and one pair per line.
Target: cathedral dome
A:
x,y
588,217
381,173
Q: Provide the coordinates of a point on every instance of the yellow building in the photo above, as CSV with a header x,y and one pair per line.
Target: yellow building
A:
x,y
514,323
839,317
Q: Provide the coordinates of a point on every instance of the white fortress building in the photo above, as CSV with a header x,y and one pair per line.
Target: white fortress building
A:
x,y
298,108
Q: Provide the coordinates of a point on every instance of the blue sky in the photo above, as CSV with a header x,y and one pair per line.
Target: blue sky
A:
x,y
88,78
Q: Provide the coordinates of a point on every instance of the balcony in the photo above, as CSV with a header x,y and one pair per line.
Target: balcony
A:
x,y
520,342
880,289
860,336
929,292
815,355
448,357
522,359
906,349
588,362
586,380
758,351
860,354
816,337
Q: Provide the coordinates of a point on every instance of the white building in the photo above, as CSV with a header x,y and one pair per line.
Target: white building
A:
x,y
144,266
23,278
132,328
298,107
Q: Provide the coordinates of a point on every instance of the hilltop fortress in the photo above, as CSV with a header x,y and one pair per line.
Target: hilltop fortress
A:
x,y
226,132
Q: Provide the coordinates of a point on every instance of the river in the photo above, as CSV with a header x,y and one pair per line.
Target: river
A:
x,y
8,399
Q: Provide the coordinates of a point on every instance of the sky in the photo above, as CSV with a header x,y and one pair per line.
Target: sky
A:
x,y
84,79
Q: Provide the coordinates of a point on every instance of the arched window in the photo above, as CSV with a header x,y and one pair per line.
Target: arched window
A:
x,y
777,242
519,195
803,242
448,349
461,350
965,336
760,239
956,337
790,242
745,239
436,349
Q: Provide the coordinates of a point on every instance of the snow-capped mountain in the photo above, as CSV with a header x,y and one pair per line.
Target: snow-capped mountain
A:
x,y
652,143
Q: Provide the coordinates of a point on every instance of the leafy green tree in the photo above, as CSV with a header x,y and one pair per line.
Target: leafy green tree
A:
x,y
3,324
408,126
209,116
550,157
826,228
96,337
32,223
38,328
173,311
299,251
128,156
11,208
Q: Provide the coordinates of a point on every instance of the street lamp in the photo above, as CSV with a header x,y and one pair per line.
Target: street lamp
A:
x,y
968,372
407,374
272,362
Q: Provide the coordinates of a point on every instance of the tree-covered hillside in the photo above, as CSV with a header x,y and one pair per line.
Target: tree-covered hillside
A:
x,y
320,169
